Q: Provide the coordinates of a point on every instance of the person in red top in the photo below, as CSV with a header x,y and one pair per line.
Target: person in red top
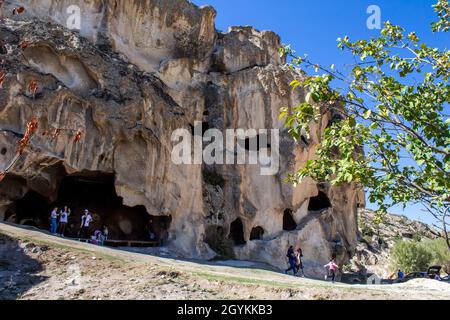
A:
x,y
332,266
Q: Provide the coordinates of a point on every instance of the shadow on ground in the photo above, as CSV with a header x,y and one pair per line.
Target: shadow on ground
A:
x,y
18,271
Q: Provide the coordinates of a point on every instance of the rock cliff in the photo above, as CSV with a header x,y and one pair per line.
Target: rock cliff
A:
x,y
375,242
135,72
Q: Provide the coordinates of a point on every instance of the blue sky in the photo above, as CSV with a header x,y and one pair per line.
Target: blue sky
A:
x,y
312,27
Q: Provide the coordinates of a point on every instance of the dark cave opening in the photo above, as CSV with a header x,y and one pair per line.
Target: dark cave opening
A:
x,y
237,232
32,210
257,233
215,237
319,203
96,192
288,221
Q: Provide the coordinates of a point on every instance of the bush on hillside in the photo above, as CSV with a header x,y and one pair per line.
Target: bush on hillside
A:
x,y
411,256
440,252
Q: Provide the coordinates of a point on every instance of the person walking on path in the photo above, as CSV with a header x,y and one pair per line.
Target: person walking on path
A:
x,y
86,220
54,221
332,267
63,220
292,260
299,262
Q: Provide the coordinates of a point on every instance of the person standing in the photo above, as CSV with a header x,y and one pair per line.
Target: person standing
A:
x,y
104,235
292,260
54,221
63,220
86,220
332,266
400,275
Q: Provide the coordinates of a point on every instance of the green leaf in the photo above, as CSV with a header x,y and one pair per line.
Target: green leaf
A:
x,y
367,114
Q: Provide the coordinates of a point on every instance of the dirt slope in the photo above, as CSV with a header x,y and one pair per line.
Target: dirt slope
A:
x,y
35,265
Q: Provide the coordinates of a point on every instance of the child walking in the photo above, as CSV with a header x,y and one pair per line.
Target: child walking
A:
x,y
332,266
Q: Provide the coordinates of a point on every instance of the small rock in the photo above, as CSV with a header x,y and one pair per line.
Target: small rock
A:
x,y
35,250
29,245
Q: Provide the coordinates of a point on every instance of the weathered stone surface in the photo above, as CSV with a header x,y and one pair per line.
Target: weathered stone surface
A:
x,y
147,32
139,70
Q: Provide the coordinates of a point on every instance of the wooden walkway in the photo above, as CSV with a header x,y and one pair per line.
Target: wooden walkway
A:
x,y
125,243
131,243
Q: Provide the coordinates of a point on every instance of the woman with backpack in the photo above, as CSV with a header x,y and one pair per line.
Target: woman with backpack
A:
x,y
292,260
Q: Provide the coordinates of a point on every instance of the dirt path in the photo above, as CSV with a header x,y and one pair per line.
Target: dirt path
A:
x,y
35,265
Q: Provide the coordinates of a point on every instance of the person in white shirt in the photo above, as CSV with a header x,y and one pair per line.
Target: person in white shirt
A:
x,y
63,220
86,220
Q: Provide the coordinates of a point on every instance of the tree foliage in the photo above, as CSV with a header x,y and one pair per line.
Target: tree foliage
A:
x,y
411,256
441,254
393,136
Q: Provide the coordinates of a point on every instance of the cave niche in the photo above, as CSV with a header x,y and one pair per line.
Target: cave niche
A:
x,y
31,210
288,220
319,203
237,232
257,233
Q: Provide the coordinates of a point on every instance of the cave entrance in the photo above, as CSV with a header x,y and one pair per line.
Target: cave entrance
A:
x,y
319,203
32,210
288,221
158,229
237,232
257,233
96,192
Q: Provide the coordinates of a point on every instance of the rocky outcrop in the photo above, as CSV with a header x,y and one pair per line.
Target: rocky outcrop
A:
x,y
376,240
134,73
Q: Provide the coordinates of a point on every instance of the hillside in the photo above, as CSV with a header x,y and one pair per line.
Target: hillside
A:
x,y
377,240
35,265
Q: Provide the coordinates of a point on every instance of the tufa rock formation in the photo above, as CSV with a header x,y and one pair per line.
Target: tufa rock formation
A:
x,y
134,73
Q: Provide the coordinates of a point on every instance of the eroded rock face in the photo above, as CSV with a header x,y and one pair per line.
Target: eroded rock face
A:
x,y
137,71
376,240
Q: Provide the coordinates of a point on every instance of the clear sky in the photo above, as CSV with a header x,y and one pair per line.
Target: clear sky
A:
x,y
312,27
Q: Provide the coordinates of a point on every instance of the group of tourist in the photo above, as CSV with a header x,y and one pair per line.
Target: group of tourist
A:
x,y
295,261
60,218
296,264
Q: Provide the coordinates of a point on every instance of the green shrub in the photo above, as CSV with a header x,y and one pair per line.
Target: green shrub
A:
x,y
366,231
440,252
411,256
